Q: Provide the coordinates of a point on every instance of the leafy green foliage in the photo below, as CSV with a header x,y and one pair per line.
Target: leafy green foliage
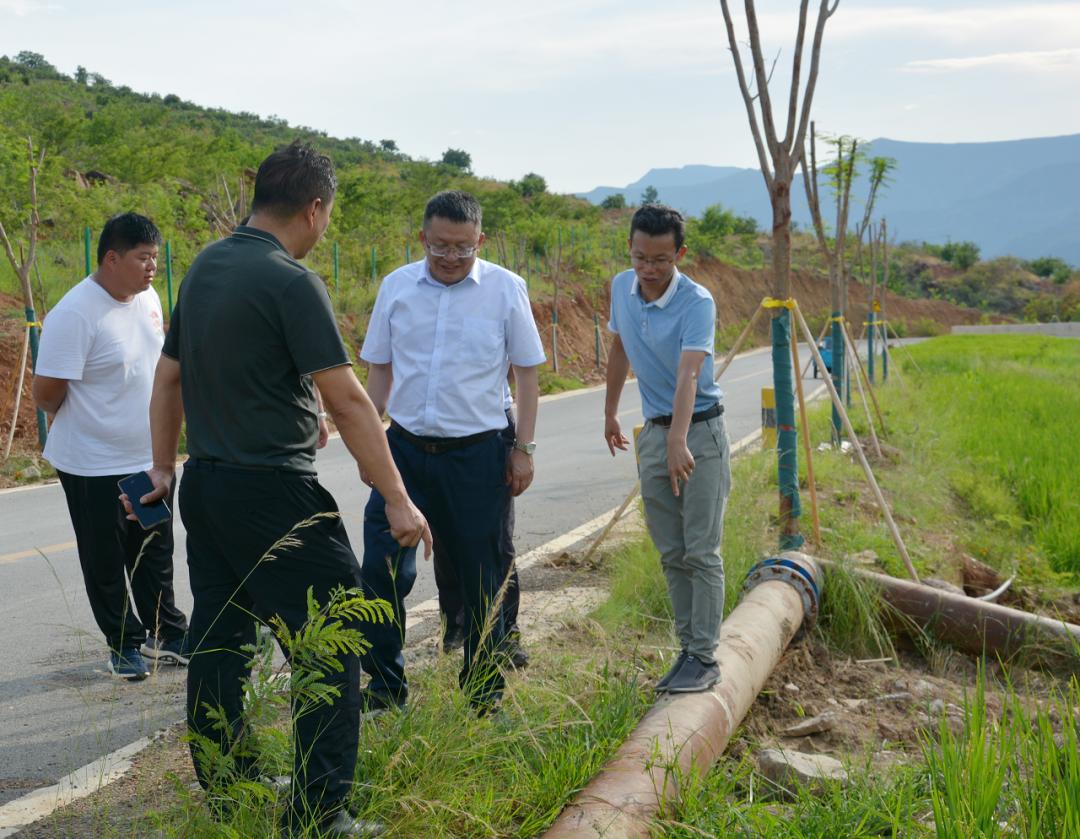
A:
x,y
458,158
650,195
961,254
530,185
616,201
1051,267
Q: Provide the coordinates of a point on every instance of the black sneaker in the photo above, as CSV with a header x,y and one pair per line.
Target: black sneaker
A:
x,y
665,680
176,651
694,676
453,638
128,664
516,656
374,704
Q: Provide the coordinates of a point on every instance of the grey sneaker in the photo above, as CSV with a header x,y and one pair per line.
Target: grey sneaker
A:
x,y
694,676
342,826
177,651
665,680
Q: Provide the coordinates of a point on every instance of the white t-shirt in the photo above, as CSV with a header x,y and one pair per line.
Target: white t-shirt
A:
x,y
108,351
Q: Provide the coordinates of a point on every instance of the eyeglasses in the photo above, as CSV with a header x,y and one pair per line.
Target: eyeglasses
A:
x,y
659,261
456,253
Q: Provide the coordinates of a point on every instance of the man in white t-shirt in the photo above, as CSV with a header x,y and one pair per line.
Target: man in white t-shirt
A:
x,y
99,347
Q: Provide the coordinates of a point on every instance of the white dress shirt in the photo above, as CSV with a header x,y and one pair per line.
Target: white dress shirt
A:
x,y
450,346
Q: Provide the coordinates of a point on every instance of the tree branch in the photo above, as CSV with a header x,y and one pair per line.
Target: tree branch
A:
x,y
824,12
796,69
755,130
762,82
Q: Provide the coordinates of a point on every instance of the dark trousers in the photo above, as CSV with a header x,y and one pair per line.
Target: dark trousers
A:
x,y
463,494
451,599
114,553
233,517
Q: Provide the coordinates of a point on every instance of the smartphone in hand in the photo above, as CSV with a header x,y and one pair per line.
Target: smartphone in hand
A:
x,y
148,515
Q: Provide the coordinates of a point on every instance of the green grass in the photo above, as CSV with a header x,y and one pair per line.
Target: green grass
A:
x,y
1005,406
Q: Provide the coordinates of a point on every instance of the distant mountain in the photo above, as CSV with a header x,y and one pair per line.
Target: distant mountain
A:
x,y
1019,197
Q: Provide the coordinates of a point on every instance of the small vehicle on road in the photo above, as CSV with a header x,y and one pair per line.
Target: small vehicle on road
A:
x,y
825,349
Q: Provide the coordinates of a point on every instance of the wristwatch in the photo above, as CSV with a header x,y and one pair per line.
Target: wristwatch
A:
x,y
528,448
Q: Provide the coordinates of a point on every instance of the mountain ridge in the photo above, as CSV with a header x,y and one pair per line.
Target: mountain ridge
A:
x,y
1018,197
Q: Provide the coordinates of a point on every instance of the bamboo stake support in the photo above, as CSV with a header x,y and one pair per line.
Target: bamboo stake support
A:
x,y
810,360
807,448
879,497
854,362
869,387
607,527
738,343
911,358
18,393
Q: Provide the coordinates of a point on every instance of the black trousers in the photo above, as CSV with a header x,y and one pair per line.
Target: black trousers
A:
x,y
233,517
115,553
451,599
463,494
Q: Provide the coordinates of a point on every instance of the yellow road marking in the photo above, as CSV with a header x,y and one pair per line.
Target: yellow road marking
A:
x,y
48,549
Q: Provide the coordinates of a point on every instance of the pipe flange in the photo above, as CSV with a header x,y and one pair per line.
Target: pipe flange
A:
x,y
794,574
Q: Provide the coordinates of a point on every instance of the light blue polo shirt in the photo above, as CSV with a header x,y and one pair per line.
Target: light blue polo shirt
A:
x,y
656,334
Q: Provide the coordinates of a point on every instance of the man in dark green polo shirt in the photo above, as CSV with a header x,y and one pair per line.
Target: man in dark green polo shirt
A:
x,y
252,335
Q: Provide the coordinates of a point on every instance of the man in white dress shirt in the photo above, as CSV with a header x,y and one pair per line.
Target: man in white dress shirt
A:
x,y
442,336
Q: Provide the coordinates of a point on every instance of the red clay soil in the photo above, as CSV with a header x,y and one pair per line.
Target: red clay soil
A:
x,y
12,329
738,293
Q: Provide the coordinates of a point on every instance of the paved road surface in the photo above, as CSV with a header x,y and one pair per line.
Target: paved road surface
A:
x,y
59,709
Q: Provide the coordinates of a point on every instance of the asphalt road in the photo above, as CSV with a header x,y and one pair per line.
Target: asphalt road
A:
x,y
59,708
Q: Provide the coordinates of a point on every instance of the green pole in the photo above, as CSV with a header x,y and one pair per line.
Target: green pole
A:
x,y
787,440
168,276
870,344
374,263
86,250
34,326
337,270
884,351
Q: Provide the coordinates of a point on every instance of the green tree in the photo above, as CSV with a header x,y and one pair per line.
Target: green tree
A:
x,y
458,158
1050,267
530,185
388,145
616,201
650,195
961,254
81,76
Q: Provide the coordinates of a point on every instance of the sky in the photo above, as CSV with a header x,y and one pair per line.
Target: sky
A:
x,y
583,92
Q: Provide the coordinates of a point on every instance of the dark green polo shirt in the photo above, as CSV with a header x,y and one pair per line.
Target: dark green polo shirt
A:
x,y
250,327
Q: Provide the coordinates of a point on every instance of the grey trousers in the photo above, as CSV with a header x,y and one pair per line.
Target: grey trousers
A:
x,y
687,530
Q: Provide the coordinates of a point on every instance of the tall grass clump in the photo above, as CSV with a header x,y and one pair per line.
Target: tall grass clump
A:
x,y
1014,776
1006,405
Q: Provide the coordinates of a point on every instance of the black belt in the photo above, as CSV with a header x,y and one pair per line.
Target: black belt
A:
x,y
226,466
708,414
441,445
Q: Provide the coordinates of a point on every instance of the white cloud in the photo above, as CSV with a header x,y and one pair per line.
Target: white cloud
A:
x,y
1046,60
22,8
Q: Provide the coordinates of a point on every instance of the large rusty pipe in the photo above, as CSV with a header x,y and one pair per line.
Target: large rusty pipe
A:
x,y
692,730
972,625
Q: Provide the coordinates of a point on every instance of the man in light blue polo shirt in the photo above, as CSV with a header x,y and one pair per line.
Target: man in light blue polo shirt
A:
x,y
443,334
664,325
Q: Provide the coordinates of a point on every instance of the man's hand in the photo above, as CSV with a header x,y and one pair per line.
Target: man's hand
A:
x,y
324,433
613,435
161,477
519,472
680,463
408,525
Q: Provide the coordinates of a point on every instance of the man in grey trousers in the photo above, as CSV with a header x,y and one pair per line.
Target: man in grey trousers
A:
x,y
664,325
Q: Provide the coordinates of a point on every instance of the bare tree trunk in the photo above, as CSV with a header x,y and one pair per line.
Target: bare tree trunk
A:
x,y
779,156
